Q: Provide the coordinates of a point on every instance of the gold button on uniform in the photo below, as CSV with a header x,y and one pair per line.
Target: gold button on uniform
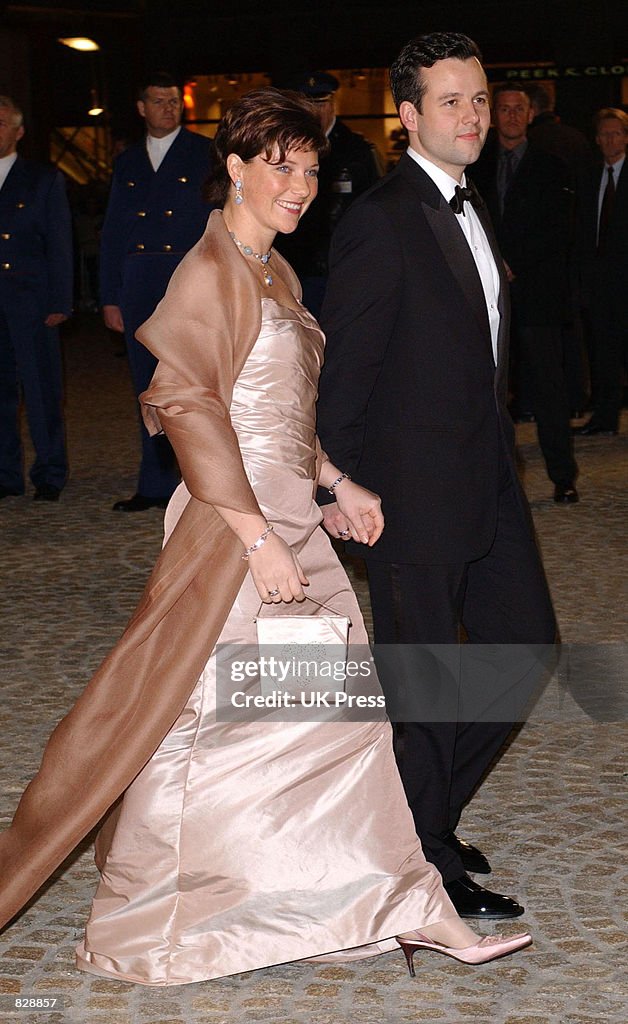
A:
x,y
167,248
6,266
141,213
182,180
168,213
20,206
140,247
131,184
5,236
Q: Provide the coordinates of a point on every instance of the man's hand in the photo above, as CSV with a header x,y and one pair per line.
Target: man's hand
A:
x,y
356,514
54,319
112,316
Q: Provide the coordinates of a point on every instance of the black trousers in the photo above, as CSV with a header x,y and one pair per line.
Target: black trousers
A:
x,y
541,354
500,599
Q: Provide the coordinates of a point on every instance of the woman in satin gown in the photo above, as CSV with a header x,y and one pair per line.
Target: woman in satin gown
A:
x,y
243,844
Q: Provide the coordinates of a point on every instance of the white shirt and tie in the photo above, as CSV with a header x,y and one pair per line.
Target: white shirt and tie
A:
x,y
615,171
476,239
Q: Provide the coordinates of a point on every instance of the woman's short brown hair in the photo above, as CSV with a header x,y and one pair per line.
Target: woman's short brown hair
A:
x,y
266,122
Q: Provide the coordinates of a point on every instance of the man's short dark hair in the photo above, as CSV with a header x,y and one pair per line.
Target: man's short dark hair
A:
x,y
406,81
509,87
158,80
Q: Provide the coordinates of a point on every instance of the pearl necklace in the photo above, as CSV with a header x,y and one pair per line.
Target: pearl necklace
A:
x,y
263,257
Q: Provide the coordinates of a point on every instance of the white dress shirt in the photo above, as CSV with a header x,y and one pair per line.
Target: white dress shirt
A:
x,y
6,163
477,241
157,148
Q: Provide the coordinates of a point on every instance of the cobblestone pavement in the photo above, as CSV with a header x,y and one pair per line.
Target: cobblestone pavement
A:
x,y
552,815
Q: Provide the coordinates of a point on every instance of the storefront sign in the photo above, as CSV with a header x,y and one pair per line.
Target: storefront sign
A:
x,y
528,74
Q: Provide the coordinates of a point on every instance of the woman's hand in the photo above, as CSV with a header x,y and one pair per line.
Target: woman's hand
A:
x,y
356,514
276,572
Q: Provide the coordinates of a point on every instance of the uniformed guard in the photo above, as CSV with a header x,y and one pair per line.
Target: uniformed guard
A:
x,y
36,275
156,212
352,166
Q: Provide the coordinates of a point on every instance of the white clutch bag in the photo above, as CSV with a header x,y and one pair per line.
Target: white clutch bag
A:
x,y
299,652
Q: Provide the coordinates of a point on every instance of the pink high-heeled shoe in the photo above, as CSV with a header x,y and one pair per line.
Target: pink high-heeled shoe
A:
x,y
488,948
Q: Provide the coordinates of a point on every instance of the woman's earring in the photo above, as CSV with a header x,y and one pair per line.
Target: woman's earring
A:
x,y
239,198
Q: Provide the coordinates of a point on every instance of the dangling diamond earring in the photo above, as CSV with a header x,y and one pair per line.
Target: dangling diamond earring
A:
x,y
239,198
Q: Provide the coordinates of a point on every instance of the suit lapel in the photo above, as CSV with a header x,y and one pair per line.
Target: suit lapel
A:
x,y
442,221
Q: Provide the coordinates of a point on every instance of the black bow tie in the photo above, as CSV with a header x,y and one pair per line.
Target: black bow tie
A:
x,y
469,194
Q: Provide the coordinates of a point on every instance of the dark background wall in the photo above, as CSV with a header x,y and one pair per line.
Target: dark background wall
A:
x,y
215,36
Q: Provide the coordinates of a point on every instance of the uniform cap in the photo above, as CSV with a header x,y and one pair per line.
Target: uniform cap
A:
x,y
318,85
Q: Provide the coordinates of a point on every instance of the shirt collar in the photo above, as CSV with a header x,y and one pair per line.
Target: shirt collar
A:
x,y
617,166
445,184
165,141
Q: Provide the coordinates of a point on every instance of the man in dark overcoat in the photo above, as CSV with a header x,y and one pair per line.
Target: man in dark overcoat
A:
x,y
603,254
528,195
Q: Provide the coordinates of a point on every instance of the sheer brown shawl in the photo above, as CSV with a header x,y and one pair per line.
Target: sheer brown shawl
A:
x,y
201,332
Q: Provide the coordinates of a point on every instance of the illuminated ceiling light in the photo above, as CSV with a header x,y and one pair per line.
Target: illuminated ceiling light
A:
x,y
80,43
95,110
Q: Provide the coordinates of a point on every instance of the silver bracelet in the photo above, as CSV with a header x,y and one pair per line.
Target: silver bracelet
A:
x,y
258,543
343,476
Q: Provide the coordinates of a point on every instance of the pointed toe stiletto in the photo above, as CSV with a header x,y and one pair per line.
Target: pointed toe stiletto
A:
x,y
490,947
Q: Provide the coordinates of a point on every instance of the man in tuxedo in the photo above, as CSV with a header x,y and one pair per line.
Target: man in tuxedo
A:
x,y
604,256
156,212
36,276
412,403
529,199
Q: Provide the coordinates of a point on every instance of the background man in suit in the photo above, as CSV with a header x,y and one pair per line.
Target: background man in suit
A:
x,y
604,252
350,167
548,132
35,297
156,212
528,196
412,402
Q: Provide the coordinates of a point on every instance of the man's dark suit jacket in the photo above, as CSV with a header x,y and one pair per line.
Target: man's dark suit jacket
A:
x,y
605,271
533,232
411,403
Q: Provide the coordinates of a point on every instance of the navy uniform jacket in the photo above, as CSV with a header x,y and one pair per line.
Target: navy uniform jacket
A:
x,y
154,212
35,240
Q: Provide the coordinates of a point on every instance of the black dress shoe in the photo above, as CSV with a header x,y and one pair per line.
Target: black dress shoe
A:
x,y
471,900
566,494
46,492
472,858
139,503
8,492
591,428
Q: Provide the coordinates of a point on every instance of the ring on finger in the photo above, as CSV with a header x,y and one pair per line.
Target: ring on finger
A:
x,y
344,533
274,593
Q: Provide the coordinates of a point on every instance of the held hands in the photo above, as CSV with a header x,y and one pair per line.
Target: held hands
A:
x,y
356,513
276,572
